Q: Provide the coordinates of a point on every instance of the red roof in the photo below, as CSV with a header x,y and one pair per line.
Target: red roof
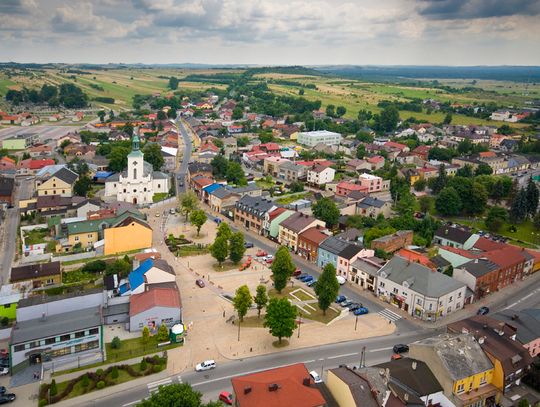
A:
x,y
488,154
506,257
35,164
416,257
375,159
311,163
270,146
290,391
155,297
463,252
203,181
351,187
149,255
396,145
487,245
314,235
422,149
276,212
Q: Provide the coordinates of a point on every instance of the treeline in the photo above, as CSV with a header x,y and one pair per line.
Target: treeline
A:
x,y
220,78
413,105
103,99
293,83
67,95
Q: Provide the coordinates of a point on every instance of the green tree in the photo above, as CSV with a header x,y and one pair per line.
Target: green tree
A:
x,y
340,111
295,186
128,129
53,390
387,120
440,181
327,287
163,333
364,116
116,343
219,249
261,298
118,159
145,338
361,151
536,221
235,174
280,318
114,372
173,83
448,202
176,395
420,185
282,268
224,230
518,210
242,301
219,166
152,155
447,118
505,129
326,210
188,203
426,204
466,171
82,186
198,219
161,115
331,110
236,247
449,271
532,195
483,169
237,113
496,218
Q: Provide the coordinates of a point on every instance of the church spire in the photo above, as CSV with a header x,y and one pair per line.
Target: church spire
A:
x,y
135,143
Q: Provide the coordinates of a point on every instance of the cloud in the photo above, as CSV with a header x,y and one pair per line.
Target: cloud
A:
x,y
475,9
17,6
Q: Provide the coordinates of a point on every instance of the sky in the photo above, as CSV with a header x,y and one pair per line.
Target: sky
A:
x,y
272,32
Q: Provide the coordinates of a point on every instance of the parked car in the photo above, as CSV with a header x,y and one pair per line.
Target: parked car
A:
x,y
206,365
345,303
311,283
157,215
340,298
7,398
315,376
4,362
302,275
307,278
217,220
353,306
396,356
261,253
341,280
226,397
248,245
297,272
269,257
482,311
2,389
4,353
400,348
269,261
200,283
4,371
172,211
361,311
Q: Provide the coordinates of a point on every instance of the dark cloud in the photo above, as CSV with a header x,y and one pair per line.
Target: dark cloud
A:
x,y
14,7
471,9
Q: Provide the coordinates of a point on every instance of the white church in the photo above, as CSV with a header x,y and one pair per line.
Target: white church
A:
x,y
139,182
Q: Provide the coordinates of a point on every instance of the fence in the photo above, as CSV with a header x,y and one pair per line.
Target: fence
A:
x,y
73,257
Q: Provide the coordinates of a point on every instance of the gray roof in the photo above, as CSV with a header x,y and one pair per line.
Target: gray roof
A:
x,y
460,354
365,266
254,204
44,299
289,165
116,309
334,245
242,190
453,234
66,175
520,160
361,382
221,193
479,267
419,278
6,186
526,321
440,261
369,201
159,175
54,325
297,222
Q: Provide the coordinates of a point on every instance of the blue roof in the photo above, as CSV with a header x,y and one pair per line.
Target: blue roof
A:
x,y
124,288
103,174
212,187
136,277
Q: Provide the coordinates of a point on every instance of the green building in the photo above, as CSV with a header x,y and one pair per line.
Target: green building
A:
x,y
20,141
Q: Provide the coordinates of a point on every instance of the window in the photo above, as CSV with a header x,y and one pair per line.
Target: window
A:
x,y
34,344
54,185
159,185
76,238
63,191
450,299
124,189
50,341
86,346
419,301
395,290
459,295
134,173
18,348
65,337
45,192
89,236
483,379
460,388
79,334
94,331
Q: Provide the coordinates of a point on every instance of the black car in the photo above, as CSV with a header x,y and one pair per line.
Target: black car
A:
x,y
400,348
248,245
354,306
7,398
482,311
2,389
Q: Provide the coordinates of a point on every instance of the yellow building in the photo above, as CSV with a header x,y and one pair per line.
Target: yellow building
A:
x,y
60,183
461,367
128,234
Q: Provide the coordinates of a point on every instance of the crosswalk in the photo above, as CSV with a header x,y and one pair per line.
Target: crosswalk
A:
x,y
389,315
154,386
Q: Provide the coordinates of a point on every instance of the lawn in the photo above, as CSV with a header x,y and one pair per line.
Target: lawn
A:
x,y
286,200
226,266
77,276
160,196
318,315
35,236
131,348
192,250
302,295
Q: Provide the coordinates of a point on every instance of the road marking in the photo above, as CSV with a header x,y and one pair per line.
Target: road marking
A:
x,y
133,402
155,385
180,379
522,299
309,361
343,356
390,315
321,359
380,349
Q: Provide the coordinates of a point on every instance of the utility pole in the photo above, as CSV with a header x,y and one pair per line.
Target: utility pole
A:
x,y
363,358
299,323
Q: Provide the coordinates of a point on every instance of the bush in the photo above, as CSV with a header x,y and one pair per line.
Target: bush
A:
x,y
96,266
42,402
85,381
53,389
99,372
157,368
4,321
114,372
116,343
144,365
100,385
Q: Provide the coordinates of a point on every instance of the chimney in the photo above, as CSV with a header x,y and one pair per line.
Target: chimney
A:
x,y
273,387
247,390
306,382
414,365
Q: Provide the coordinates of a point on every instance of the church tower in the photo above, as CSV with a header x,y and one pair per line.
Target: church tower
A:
x,y
135,161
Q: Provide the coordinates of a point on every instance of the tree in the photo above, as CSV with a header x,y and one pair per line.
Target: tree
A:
x,y
326,210
114,372
242,301
219,249
340,111
176,395
327,287
224,230
152,155
188,203
483,169
301,92
536,221
448,118
449,271
237,113
440,181
496,218
161,115
448,202
360,151
198,219
505,129
532,195
331,110
145,335
387,120
420,184
118,159
235,174
426,204
364,116
219,166
116,343
518,210
128,129
53,390
261,299
280,318
236,247
282,268
295,186
163,333
173,83
101,115
466,171
82,186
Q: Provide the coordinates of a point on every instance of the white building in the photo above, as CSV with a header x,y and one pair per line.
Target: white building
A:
x,y
504,116
320,175
139,183
312,138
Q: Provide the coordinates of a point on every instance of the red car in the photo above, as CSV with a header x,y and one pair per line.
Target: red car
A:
x,y
261,253
297,272
226,397
200,283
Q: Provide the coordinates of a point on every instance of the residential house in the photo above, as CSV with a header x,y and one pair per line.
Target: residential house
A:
x,y
127,234
8,164
376,162
21,141
198,183
364,272
320,175
60,183
41,274
510,359
272,164
373,207
7,186
31,165
518,163
393,242
222,199
153,308
461,367
344,188
418,290
230,146
39,150
330,250
287,386
272,220
250,212
357,165
80,150
455,237
198,169
422,152
417,257
526,323
291,172
480,275
309,241
293,226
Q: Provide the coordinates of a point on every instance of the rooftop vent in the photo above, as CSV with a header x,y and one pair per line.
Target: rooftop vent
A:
x,y
247,390
273,387
306,381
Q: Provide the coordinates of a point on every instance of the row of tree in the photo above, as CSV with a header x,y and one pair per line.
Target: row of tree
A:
x,y
67,95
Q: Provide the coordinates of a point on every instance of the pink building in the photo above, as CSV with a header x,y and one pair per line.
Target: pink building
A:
x,y
374,183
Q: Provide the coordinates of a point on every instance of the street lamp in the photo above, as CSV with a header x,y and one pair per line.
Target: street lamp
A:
x,y
356,323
